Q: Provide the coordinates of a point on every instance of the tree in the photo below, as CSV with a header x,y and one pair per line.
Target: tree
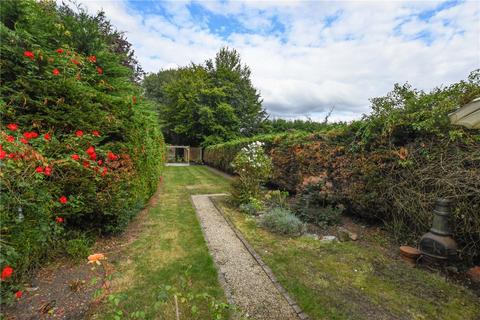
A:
x,y
208,103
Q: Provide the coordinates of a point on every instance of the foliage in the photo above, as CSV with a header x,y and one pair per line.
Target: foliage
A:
x,y
206,104
282,125
276,199
252,207
73,125
282,221
390,166
78,248
253,168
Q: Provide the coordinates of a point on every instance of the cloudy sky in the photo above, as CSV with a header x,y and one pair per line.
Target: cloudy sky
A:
x,y
307,56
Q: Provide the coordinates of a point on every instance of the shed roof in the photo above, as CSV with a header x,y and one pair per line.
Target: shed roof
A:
x,y
467,115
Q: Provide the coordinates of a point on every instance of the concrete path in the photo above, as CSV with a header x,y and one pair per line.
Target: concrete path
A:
x,y
245,281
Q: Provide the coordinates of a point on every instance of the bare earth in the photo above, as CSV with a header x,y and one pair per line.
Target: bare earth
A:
x,y
245,282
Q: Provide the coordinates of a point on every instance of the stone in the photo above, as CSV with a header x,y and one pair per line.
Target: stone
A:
x,y
346,235
312,236
329,239
474,274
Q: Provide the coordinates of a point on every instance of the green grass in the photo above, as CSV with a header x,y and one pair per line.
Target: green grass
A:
x,y
355,280
170,255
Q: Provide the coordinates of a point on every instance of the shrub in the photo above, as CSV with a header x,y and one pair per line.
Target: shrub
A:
x,y
253,168
283,221
78,249
73,124
252,207
276,199
312,206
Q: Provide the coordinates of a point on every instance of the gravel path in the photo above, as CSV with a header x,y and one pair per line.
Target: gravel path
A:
x,y
245,282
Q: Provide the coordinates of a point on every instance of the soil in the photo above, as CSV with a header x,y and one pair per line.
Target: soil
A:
x,y
67,290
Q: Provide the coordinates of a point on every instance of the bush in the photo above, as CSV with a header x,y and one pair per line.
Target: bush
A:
x,y
253,168
276,199
390,166
282,221
253,207
73,125
78,249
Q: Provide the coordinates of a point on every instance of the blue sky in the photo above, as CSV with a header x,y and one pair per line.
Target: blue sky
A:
x,y
307,56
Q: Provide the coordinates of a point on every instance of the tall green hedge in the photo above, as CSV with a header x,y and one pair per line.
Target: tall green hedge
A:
x,y
390,166
74,125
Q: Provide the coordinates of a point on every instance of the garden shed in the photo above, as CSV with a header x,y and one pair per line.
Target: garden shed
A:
x,y
467,115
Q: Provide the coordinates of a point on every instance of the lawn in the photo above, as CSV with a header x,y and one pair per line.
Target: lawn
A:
x,y
169,257
354,280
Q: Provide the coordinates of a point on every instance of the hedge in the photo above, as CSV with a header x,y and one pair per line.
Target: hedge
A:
x,y
80,150
391,165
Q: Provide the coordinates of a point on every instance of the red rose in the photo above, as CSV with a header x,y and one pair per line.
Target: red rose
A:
x,y
23,140
90,150
93,156
59,219
3,154
75,62
10,138
30,135
96,133
7,272
29,54
60,50
112,156
104,171
48,171
92,59
99,162
56,72
75,157
12,126
63,199
79,133
86,164
39,170
18,294
11,155
47,136
99,70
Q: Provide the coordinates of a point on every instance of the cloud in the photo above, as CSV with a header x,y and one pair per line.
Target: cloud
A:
x,y
308,56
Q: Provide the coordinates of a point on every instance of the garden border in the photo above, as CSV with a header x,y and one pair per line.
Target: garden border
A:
x,y
302,315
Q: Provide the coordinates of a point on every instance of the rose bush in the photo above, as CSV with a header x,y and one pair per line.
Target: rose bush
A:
x,y
81,150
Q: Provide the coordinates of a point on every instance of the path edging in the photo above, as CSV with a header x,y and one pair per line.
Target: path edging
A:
x,y
296,308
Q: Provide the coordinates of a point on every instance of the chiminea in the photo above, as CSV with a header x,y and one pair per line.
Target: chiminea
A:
x,y
438,245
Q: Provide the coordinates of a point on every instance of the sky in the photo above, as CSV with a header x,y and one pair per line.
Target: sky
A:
x,y
309,56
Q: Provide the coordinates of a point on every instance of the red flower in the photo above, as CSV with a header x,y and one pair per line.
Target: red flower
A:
x,y
48,171
92,59
7,272
75,62
90,150
86,164
96,133
39,170
12,126
23,140
104,171
79,133
3,154
29,54
99,162
18,294
75,157
11,155
55,72
112,156
60,50
10,138
47,136
30,135
93,156
99,70
59,220
63,199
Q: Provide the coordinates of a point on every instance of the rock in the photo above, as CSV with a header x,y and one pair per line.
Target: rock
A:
x,y
346,235
329,239
474,274
311,235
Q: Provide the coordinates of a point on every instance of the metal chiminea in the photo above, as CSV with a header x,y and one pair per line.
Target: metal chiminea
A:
x,y
438,245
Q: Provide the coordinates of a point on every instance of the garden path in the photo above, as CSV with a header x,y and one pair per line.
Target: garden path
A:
x,y
245,281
